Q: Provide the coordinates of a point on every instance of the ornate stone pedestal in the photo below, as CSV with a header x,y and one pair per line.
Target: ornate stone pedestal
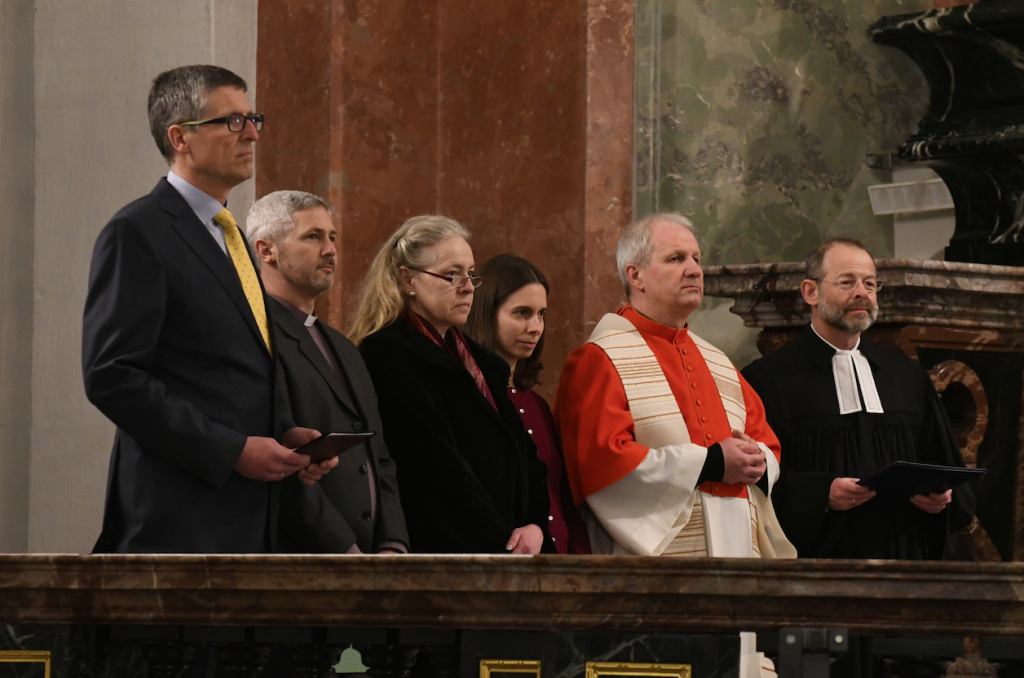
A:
x,y
972,134
965,324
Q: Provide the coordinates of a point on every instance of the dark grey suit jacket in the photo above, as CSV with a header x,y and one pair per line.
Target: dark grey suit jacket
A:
x,y
334,513
172,355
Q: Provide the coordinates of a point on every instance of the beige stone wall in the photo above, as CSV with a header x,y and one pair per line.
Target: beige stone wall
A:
x,y
16,220
86,69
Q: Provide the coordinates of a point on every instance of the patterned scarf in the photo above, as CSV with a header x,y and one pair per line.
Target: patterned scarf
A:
x,y
455,345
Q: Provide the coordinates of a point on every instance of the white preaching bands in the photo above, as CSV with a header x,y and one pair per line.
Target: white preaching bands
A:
x,y
848,369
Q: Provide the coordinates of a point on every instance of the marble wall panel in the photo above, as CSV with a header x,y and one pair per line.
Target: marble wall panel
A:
x,y
514,118
609,184
384,155
754,118
512,150
354,86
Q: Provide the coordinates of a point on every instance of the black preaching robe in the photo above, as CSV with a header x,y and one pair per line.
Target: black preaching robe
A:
x,y
818,445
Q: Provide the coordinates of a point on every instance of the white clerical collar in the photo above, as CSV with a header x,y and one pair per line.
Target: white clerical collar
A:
x,y
307,319
848,369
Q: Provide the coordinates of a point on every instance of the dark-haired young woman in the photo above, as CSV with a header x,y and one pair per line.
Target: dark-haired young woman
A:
x,y
508,317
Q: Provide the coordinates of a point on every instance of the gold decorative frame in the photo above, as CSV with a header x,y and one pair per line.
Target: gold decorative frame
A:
x,y
598,669
27,657
488,666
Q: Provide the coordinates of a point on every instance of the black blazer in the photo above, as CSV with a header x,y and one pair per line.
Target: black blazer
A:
x,y
333,514
468,473
172,355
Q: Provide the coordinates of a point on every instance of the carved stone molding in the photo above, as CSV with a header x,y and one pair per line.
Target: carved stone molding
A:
x,y
970,427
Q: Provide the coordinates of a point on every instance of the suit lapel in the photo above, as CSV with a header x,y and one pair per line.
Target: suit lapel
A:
x,y
198,239
290,325
346,367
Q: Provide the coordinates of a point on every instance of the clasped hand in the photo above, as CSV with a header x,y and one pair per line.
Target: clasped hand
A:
x,y
744,460
267,460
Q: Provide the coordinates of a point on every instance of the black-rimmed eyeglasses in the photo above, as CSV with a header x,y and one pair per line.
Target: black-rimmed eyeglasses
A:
x,y
455,280
235,121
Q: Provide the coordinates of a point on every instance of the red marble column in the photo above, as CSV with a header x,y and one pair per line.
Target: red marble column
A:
x,y
515,118
610,153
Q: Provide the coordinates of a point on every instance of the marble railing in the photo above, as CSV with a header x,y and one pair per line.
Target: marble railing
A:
x,y
549,593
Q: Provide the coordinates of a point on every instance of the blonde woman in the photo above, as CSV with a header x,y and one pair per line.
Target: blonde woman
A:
x,y
469,478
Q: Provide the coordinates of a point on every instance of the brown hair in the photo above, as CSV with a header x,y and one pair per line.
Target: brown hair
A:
x,y
814,264
504,275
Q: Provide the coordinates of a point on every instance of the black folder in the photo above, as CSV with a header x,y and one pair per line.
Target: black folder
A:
x,y
333,444
906,478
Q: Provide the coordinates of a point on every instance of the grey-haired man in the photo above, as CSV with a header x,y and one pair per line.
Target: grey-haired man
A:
x,y
355,509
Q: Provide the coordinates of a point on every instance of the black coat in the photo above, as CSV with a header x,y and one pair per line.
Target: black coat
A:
x,y
798,390
468,473
334,513
171,354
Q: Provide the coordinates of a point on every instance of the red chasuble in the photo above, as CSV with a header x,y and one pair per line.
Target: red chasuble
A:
x,y
596,426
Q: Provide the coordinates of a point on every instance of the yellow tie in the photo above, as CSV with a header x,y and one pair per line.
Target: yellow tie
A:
x,y
246,272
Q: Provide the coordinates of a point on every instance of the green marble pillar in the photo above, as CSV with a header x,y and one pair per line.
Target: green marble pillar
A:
x,y
753,118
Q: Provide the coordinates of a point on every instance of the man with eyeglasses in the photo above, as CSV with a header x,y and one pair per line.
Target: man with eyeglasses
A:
x,y
844,408
177,349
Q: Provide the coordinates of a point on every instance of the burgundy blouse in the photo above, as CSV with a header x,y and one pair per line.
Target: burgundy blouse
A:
x,y
564,522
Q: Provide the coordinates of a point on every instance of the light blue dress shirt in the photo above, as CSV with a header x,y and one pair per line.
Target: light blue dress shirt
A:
x,y
205,206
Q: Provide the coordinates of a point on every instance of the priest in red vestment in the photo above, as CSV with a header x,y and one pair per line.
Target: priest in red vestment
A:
x,y
666,445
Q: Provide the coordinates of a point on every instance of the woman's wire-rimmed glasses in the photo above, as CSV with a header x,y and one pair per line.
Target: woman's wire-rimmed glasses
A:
x,y
456,280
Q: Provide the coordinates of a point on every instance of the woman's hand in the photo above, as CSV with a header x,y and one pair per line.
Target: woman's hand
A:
x,y
527,539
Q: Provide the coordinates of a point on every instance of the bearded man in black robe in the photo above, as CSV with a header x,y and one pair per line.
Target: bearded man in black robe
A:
x,y
844,408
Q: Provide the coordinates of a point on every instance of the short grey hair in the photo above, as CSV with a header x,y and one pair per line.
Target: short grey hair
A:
x,y
179,95
271,217
635,245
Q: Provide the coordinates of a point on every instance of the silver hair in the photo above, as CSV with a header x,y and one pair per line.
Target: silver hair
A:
x,y
179,95
635,246
271,217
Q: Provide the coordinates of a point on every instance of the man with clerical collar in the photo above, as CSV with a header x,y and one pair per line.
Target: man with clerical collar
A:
x,y
666,446
356,508
176,347
844,408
